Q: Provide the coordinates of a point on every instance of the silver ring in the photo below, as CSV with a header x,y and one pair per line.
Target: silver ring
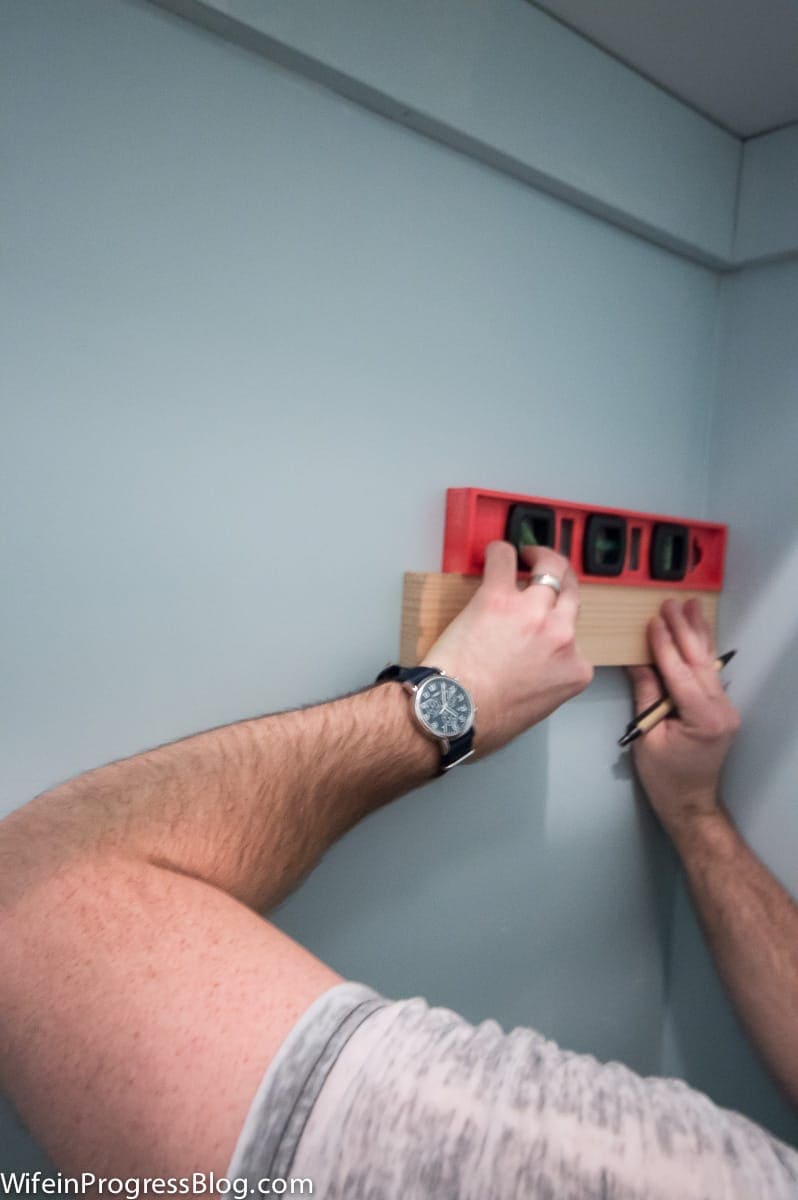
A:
x,y
548,581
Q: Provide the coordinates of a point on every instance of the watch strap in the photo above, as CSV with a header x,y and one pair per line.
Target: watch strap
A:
x,y
407,674
459,750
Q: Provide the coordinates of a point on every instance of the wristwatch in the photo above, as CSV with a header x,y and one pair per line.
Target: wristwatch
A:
x,y
442,707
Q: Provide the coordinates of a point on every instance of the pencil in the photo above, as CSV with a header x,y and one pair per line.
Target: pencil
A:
x,y
660,709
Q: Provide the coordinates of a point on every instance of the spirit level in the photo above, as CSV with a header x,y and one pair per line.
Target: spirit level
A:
x,y
603,545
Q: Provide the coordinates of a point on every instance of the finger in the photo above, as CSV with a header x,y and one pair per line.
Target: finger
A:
x,y
542,560
678,675
695,615
501,566
692,647
646,687
568,601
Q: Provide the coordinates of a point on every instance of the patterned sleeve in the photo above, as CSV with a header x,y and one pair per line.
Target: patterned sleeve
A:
x,y
399,1101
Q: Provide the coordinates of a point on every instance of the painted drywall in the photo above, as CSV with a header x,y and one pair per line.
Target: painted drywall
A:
x,y
250,334
505,83
752,483
767,223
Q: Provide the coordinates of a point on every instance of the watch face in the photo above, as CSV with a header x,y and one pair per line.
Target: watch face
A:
x,y
444,707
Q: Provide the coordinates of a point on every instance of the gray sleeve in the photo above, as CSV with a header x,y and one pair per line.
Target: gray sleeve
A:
x,y
374,1100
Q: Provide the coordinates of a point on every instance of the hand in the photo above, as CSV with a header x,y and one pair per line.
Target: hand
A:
x,y
679,761
514,650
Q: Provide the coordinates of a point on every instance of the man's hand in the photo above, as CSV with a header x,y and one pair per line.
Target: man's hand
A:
x,y
515,649
679,761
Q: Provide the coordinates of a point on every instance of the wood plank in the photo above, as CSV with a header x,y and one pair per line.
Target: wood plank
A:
x,y
610,629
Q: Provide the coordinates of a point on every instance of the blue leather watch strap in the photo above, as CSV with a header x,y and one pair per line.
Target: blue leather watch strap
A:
x,y
459,749
406,674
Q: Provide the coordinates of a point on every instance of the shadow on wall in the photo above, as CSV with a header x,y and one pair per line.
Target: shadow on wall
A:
x,y
769,725
660,859
662,863
768,623
18,1149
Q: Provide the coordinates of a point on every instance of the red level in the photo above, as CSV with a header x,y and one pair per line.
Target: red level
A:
x,y
603,545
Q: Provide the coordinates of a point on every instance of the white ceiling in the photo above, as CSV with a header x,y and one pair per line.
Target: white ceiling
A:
x,y
736,61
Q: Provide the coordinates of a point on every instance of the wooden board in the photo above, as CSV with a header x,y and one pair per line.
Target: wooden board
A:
x,y
610,629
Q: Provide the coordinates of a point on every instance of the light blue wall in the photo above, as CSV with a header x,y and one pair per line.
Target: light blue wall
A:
x,y
511,86
251,333
767,217
753,484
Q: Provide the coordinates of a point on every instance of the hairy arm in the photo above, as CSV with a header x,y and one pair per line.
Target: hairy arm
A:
x,y
248,808
141,998
751,925
749,920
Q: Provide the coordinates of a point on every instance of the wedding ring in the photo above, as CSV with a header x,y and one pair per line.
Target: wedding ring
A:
x,y
548,581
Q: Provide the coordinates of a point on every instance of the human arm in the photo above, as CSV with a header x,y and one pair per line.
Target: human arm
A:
x,y
250,807
750,921
136,984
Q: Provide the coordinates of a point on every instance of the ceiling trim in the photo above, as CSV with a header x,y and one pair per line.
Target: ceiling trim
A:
x,y
500,93
493,80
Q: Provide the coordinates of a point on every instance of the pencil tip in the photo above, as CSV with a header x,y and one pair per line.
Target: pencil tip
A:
x,y
629,736
727,657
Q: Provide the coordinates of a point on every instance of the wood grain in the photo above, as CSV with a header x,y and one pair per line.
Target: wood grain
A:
x,y
610,629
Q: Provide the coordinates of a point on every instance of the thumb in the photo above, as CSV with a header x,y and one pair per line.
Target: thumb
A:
x,y
646,687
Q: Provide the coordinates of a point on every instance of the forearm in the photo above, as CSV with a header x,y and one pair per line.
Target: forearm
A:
x,y
249,807
751,924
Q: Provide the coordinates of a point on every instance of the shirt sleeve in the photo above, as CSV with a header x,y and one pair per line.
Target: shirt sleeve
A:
x,y
370,1098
